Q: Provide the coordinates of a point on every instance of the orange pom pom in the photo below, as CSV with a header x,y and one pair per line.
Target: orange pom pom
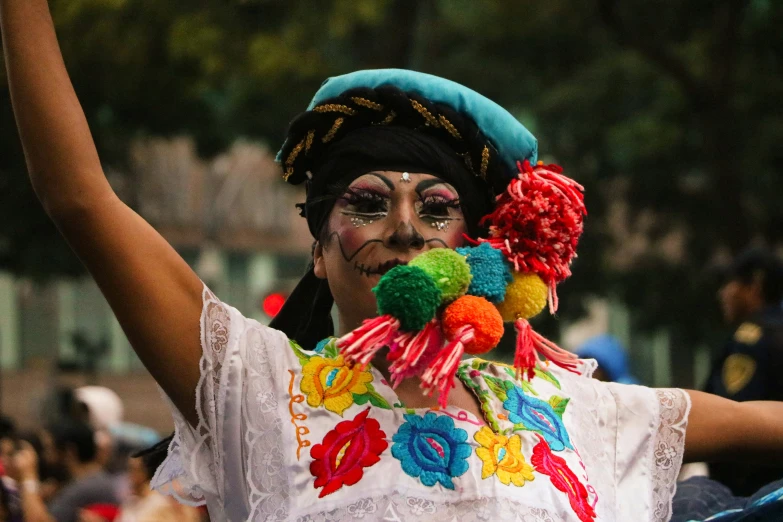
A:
x,y
478,313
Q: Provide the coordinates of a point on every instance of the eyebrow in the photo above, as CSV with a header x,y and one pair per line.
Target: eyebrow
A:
x,y
383,178
427,183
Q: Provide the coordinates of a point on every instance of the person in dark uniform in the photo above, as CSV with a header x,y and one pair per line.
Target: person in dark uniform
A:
x,y
750,367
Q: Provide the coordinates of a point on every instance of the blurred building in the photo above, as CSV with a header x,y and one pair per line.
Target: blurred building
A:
x,y
232,219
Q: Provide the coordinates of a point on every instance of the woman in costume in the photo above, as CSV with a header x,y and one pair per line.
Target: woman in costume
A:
x,y
290,423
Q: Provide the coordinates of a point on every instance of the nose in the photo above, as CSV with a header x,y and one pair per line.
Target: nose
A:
x,y
405,237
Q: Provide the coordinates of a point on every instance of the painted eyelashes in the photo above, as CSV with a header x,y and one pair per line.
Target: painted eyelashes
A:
x,y
370,206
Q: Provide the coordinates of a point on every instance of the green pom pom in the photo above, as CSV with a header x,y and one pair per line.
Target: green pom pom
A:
x,y
409,295
448,269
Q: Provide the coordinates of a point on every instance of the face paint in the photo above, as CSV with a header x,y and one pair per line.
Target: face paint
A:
x,y
360,221
379,222
348,253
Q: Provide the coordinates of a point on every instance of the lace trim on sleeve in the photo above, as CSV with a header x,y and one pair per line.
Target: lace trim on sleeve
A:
x,y
193,470
674,405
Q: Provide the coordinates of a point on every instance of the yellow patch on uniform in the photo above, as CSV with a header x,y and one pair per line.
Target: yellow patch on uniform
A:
x,y
738,370
748,333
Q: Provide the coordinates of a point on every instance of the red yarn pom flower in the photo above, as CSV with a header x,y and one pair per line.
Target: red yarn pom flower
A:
x,y
537,222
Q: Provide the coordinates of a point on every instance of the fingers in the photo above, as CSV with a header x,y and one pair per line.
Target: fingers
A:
x,y
25,462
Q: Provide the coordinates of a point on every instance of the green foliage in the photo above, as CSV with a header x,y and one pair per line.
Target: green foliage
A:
x,y
673,110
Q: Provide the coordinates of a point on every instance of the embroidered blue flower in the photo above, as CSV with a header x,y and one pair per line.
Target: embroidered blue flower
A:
x,y
432,449
536,415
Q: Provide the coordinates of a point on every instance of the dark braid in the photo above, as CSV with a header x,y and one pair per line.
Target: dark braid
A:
x,y
312,131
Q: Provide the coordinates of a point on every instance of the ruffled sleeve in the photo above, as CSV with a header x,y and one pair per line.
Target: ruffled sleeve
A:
x,y
649,447
237,401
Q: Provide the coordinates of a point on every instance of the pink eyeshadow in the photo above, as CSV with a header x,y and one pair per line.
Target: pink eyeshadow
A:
x,y
441,193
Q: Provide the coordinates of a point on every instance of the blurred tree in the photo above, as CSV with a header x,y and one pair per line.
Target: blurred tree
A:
x,y
668,112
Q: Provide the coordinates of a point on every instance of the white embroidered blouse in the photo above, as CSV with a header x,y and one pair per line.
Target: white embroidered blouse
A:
x,y
290,434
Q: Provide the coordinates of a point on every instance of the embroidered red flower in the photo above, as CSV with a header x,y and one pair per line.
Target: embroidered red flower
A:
x,y
346,450
563,478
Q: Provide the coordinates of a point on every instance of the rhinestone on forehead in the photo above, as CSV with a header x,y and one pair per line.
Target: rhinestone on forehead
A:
x,y
406,178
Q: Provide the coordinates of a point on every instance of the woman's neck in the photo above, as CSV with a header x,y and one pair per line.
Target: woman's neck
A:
x,y
409,390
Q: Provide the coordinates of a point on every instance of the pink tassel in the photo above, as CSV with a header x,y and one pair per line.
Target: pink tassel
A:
x,y
411,352
565,185
552,299
530,344
361,345
440,373
525,356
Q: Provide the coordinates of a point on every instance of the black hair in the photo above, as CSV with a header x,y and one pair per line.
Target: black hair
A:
x,y
77,435
7,428
154,456
759,264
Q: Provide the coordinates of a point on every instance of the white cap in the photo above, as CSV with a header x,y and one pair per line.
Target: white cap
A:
x,y
104,404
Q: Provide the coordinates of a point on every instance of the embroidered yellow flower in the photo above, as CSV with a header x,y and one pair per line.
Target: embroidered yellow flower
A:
x,y
332,383
502,456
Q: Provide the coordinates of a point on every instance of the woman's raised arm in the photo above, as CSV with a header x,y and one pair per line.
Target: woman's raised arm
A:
x,y
152,291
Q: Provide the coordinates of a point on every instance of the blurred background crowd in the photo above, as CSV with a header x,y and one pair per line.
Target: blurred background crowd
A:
x,y
83,464
669,113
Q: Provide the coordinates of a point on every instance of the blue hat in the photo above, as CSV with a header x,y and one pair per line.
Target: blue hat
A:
x,y
349,101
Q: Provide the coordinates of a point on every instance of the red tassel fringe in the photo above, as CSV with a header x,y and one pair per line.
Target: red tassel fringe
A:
x,y
530,344
360,345
412,352
440,374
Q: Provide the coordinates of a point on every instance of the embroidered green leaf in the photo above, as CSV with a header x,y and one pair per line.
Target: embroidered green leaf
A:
x,y
511,372
547,376
483,396
558,404
497,386
376,399
303,357
330,350
379,402
522,427
479,364
361,399
527,387
373,398
489,416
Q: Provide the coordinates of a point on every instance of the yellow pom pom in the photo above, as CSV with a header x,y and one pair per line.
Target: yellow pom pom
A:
x,y
526,296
